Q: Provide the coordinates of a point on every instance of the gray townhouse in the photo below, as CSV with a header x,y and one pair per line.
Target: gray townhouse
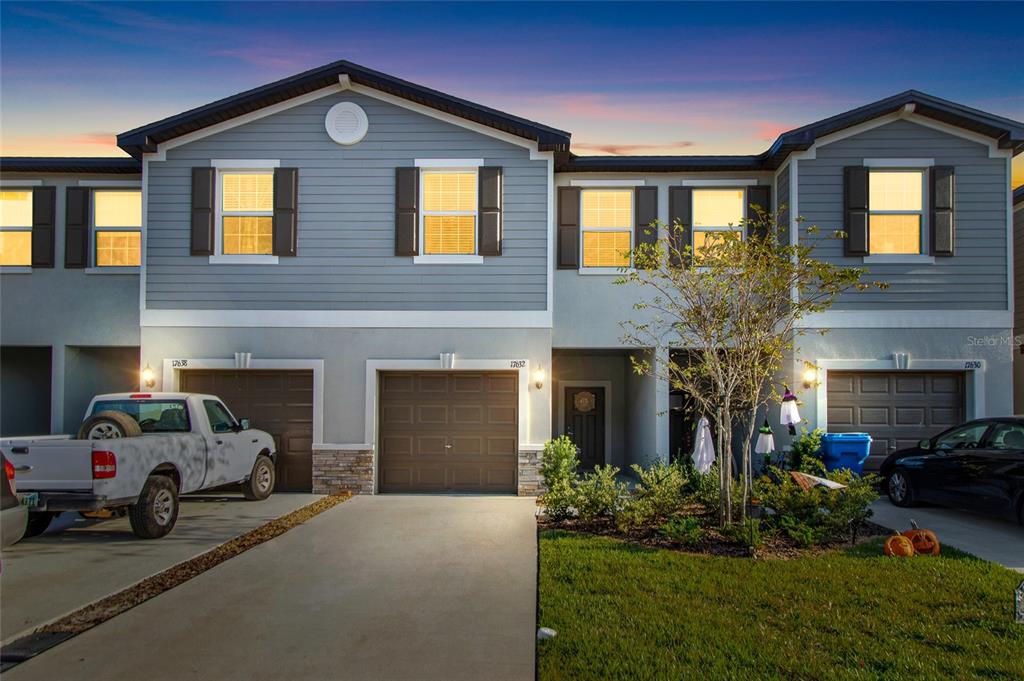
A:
x,y
413,292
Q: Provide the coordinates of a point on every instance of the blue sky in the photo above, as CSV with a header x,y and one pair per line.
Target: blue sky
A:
x,y
633,79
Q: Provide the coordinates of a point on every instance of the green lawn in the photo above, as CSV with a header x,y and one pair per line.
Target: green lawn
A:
x,y
626,612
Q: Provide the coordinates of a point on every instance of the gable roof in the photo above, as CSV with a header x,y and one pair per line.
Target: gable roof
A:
x,y
1008,134
145,138
117,165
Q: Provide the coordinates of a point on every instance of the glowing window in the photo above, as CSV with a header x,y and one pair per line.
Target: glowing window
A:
x,y
247,213
896,211
716,210
605,249
606,221
117,224
701,238
16,227
118,249
449,212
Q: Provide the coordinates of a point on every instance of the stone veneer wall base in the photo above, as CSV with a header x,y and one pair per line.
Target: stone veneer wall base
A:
x,y
337,472
529,474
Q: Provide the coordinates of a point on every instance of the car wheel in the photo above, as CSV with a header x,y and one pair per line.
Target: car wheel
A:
x,y
38,522
260,484
108,425
156,511
899,489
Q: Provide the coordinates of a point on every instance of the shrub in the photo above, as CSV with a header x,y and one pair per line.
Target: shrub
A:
x,y
747,533
660,488
805,452
598,493
558,468
688,531
706,488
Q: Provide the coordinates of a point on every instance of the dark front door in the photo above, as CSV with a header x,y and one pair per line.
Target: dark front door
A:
x,y
584,423
277,401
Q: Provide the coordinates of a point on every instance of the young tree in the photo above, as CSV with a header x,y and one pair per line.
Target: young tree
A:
x,y
734,305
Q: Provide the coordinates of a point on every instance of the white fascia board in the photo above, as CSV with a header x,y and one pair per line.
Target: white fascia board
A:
x,y
378,319
908,319
15,184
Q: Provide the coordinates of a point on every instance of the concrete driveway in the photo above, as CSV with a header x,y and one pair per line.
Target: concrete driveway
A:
x,y
384,587
78,561
993,539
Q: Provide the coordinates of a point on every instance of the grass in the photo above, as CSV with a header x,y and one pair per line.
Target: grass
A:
x,y
626,612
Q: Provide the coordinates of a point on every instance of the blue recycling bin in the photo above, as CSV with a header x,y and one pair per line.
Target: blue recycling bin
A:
x,y
845,450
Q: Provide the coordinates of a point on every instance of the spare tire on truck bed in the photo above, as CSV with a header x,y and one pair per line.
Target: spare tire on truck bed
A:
x,y
106,425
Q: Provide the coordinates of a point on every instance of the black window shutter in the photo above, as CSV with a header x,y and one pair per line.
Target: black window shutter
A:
x,y
76,228
680,218
855,199
942,199
44,225
568,228
286,211
489,229
203,197
407,199
645,211
760,196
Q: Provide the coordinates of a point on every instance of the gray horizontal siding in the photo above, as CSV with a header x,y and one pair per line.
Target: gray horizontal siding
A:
x,y
975,278
1018,267
346,220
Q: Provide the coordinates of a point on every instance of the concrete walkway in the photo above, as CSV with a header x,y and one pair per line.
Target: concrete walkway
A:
x,y
78,561
999,541
386,587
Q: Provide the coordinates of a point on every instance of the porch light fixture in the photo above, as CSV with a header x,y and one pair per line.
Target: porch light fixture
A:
x,y
810,377
538,377
148,377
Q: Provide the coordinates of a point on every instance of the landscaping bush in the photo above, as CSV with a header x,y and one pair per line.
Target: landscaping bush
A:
x,y
598,493
661,488
558,469
747,533
687,531
805,452
817,515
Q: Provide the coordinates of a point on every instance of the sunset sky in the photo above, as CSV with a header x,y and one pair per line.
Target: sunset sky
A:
x,y
722,78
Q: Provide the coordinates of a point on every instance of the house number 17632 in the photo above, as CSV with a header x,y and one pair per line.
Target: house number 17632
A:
x,y
517,364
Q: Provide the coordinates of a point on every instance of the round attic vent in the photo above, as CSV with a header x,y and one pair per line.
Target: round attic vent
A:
x,y
346,123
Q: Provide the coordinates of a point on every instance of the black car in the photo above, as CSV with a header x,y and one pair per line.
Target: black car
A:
x,y
978,465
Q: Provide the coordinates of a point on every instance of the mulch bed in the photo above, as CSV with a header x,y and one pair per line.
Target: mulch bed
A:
x,y
775,546
113,605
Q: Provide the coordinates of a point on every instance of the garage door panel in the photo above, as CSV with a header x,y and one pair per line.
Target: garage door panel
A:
x,y
896,408
397,445
277,401
463,436
396,414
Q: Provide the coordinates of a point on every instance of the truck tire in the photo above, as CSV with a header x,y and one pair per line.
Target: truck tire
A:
x,y
156,511
260,484
109,424
38,521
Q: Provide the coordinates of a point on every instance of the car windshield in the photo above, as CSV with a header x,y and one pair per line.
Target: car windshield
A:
x,y
153,416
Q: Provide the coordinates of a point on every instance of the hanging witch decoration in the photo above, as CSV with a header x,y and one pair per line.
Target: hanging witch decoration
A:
x,y
789,415
765,440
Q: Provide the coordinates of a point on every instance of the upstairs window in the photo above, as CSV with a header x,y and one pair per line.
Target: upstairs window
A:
x,y
716,211
606,226
895,211
117,225
247,213
449,212
16,227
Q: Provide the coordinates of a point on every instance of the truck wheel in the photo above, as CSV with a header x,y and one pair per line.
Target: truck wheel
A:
x,y
260,484
38,521
109,424
156,511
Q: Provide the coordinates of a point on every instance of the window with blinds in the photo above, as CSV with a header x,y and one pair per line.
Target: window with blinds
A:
x,y
449,212
117,224
16,227
606,223
895,211
247,213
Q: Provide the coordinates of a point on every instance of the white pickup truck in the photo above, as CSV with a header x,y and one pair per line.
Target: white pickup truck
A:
x,y
135,453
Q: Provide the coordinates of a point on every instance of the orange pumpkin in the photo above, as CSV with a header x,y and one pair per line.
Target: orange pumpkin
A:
x,y
898,545
925,542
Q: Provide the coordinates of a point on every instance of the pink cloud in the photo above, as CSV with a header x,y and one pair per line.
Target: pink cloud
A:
x,y
627,149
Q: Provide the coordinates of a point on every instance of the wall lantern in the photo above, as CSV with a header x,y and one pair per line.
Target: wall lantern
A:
x,y
538,377
810,376
148,377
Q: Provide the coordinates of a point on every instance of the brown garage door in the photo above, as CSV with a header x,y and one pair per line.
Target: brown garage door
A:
x,y
279,402
448,431
896,408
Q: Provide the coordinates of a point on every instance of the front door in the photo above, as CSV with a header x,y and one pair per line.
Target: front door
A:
x,y
584,423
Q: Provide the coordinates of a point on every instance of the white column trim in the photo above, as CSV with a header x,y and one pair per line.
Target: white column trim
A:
x,y
172,368
607,385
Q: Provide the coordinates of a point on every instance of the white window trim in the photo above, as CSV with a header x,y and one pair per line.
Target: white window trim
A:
x,y
449,163
892,258
612,184
94,267
244,164
231,167
899,163
111,184
606,271
899,259
741,228
448,258
24,185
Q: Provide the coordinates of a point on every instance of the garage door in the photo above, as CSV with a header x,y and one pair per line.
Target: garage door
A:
x,y
279,402
896,408
448,431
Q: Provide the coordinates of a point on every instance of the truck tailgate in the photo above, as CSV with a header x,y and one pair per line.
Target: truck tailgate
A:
x,y
50,465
